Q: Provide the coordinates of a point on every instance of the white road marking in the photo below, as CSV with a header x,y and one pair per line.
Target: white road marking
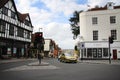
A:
x,y
33,66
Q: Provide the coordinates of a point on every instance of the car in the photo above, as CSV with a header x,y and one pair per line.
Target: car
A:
x,y
67,57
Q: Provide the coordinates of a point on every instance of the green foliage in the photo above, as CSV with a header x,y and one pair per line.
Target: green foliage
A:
x,y
74,24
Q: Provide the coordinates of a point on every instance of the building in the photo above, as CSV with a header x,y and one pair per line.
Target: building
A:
x,y
15,30
96,25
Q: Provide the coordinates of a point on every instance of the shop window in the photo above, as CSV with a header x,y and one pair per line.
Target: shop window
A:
x,y
99,52
105,52
84,52
89,52
94,51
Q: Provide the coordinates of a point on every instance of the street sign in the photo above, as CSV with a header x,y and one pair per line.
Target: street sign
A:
x,y
82,45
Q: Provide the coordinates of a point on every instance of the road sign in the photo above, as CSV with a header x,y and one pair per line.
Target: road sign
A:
x,y
82,45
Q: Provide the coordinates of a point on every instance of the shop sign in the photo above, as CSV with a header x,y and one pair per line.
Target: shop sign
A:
x,y
9,51
14,50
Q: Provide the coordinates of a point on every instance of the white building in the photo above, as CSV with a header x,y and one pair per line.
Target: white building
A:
x,y
96,25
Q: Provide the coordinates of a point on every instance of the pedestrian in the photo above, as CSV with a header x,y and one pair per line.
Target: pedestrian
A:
x,y
39,58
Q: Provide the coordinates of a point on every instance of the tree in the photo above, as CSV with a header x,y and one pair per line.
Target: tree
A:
x,y
74,24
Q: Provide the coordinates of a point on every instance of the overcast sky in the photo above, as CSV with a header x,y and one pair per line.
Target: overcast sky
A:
x,y
53,17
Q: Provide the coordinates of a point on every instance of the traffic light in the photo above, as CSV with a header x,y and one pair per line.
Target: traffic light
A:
x,y
38,37
111,39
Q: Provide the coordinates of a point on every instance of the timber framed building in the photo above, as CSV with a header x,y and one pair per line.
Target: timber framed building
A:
x,y
15,30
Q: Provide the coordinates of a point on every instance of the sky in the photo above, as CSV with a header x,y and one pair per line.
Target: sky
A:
x,y
52,17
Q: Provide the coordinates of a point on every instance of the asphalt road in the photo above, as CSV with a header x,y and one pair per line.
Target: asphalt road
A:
x,y
23,70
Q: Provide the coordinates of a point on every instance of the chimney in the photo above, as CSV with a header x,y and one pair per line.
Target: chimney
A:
x,y
110,5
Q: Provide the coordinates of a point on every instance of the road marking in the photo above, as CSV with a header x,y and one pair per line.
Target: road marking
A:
x,y
33,66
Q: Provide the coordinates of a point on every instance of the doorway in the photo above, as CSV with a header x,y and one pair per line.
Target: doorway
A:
x,y
114,54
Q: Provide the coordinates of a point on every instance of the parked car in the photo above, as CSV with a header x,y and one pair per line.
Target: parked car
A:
x,y
67,57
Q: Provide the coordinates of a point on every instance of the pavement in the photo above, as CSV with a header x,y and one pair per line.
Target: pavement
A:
x,y
114,62
14,60
30,66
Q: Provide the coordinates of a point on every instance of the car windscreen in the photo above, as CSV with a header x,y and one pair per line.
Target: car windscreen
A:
x,y
68,54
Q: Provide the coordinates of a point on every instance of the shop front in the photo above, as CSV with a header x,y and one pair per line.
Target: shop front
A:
x,y
10,48
100,51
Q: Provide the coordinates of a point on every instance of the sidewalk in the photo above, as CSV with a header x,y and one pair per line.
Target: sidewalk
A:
x,y
113,62
15,60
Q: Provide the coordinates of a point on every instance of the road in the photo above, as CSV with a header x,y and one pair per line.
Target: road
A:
x,y
23,70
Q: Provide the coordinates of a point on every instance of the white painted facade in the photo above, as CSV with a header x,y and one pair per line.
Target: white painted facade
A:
x,y
104,28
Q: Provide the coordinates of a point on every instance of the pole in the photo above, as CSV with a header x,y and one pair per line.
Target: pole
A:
x,y
109,53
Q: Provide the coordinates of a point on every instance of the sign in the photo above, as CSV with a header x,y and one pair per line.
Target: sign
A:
x,y
14,50
82,45
9,51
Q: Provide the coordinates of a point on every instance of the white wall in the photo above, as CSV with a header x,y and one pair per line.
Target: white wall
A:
x,y
104,27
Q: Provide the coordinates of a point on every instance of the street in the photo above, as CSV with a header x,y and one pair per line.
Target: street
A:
x,y
55,70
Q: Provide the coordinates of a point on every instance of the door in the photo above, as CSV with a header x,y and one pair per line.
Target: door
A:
x,y
114,54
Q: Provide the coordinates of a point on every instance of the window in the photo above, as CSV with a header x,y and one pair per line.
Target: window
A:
x,y
95,35
27,22
11,30
89,52
28,35
94,51
12,15
94,20
105,52
5,10
20,32
99,52
112,19
2,26
114,34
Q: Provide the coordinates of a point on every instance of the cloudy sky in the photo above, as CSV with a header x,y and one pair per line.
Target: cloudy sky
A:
x,y
53,17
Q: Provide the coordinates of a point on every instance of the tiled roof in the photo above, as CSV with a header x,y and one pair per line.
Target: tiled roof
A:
x,y
3,2
22,17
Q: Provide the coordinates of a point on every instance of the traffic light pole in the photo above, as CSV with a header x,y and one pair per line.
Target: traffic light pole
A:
x,y
109,53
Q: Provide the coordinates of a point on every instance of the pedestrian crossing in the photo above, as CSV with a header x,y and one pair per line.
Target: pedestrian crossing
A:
x,y
33,66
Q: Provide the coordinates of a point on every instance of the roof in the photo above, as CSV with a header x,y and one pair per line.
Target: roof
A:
x,y
102,8
3,2
22,17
